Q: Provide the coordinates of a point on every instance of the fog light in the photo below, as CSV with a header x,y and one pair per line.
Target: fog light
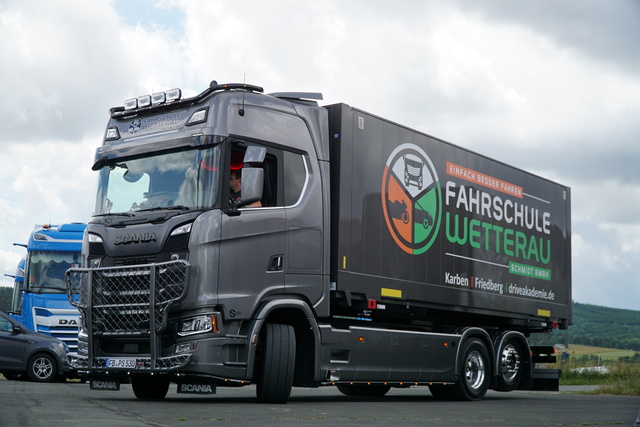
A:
x,y
185,348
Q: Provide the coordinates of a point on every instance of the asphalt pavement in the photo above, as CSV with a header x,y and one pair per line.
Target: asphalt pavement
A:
x,y
73,404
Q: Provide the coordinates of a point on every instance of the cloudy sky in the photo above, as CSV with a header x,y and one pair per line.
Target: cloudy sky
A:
x,y
552,87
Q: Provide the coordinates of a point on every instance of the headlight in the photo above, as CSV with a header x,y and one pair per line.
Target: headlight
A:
x,y
198,325
83,347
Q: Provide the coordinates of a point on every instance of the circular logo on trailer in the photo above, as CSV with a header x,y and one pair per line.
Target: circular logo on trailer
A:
x,y
411,199
134,127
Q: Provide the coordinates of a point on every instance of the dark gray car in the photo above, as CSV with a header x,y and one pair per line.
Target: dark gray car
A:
x,y
23,352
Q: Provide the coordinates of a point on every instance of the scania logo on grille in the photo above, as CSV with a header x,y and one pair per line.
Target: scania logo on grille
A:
x,y
125,239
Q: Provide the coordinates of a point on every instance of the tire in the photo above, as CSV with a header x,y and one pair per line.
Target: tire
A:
x,y
474,371
364,390
42,368
275,359
150,388
441,392
511,366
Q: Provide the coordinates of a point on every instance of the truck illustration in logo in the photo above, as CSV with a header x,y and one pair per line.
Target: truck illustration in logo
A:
x,y
411,199
413,174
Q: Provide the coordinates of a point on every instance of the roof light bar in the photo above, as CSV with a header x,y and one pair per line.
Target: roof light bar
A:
x,y
131,104
173,95
144,101
152,100
158,98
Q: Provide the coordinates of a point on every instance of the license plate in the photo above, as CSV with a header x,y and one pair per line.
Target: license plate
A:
x,y
121,362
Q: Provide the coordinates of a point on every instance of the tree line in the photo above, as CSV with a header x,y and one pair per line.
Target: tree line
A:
x,y
5,298
597,326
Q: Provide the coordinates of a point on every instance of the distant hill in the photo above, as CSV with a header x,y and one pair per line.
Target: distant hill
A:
x,y
598,326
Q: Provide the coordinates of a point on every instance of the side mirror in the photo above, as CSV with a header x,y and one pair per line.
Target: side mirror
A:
x,y
252,182
16,330
254,154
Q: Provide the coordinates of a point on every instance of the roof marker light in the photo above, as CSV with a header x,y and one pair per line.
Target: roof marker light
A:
x,y
131,104
112,133
198,117
173,95
158,98
144,101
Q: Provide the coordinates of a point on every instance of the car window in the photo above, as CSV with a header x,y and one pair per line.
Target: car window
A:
x,y
5,325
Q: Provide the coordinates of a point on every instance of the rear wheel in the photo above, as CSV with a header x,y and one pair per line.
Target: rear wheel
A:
x,y
42,368
511,366
152,388
366,390
441,392
276,362
474,370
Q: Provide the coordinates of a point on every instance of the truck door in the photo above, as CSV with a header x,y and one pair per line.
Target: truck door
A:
x,y
252,244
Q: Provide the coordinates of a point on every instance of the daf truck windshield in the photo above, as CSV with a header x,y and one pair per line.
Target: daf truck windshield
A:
x,y
46,270
181,180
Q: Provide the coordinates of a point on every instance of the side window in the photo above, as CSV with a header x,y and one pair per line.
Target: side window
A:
x,y
295,176
285,175
5,325
270,166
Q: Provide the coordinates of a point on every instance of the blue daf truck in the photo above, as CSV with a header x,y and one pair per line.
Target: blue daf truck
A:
x,y
40,300
377,257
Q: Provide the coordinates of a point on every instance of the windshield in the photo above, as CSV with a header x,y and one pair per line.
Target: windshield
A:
x,y
46,270
179,180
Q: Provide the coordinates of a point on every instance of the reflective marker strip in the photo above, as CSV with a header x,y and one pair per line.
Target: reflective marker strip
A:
x,y
394,293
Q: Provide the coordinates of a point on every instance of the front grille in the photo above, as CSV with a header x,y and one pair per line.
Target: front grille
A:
x,y
128,300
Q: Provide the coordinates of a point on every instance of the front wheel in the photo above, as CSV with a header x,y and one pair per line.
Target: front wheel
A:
x,y
276,362
150,388
474,371
42,368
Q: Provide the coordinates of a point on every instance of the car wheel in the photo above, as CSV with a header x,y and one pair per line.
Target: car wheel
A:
x,y
42,368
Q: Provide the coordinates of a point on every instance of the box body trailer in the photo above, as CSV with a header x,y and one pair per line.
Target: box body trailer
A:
x,y
379,256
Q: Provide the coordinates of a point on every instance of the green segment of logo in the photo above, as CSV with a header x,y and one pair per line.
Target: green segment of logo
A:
x,y
427,215
529,271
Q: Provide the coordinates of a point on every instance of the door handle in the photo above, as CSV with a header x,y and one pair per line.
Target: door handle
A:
x,y
276,263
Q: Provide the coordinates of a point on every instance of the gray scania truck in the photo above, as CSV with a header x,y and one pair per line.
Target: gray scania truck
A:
x,y
378,256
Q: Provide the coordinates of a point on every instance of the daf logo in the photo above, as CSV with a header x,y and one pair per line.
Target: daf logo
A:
x,y
125,239
65,322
